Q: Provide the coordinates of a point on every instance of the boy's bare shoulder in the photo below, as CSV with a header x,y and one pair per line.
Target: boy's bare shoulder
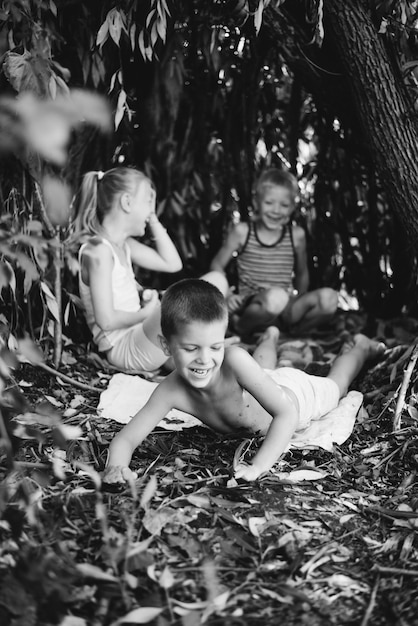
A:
x,y
235,356
239,232
172,391
171,382
299,236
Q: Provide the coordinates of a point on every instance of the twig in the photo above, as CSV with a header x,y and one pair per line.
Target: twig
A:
x,y
68,379
372,603
391,514
29,464
396,570
57,258
404,388
391,399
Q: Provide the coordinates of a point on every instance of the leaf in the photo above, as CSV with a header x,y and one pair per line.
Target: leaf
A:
x,y
29,352
70,432
139,547
345,582
155,521
14,67
258,16
71,620
92,571
149,491
52,87
132,33
103,33
53,9
166,579
254,523
297,476
239,452
142,615
7,276
115,22
57,197
150,17
162,29
51,301
120,109
141,43
199,501
87,106
27,72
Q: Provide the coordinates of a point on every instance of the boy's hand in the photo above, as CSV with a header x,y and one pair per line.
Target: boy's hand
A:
x,y
234,301
247,472
116,476
150,300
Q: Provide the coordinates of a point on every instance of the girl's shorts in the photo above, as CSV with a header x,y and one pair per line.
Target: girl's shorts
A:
x,y
316,395
134,352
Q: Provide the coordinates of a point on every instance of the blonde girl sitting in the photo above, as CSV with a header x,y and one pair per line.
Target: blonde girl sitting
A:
x,y
116,207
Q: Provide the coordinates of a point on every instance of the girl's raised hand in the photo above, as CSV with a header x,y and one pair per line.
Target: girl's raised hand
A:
x,y
153,204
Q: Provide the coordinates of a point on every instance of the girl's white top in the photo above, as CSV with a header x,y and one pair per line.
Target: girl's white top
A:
x,y
125,297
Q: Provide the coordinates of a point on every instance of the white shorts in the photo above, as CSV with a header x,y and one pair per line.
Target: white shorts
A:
x,y
134,352
316,395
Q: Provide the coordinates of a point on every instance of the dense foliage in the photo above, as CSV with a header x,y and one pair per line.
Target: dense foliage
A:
x,y
203,96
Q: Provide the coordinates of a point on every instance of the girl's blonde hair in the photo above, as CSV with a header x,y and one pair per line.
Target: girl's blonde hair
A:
x,y
273,177
98,194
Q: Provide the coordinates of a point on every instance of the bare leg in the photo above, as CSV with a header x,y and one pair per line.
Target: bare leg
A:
x,y
152,330
266,351
152,325
346,366
218,279
311,309
262,311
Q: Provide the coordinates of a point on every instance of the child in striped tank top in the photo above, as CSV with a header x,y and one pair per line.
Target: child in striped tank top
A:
x,y
273,277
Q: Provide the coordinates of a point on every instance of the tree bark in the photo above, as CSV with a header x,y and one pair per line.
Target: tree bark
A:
x,y
383,107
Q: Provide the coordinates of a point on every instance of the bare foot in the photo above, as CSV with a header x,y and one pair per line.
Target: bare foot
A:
x,y
373,348
230,341
272,333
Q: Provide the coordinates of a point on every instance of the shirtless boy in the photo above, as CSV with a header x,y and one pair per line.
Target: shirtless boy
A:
x,y
228,389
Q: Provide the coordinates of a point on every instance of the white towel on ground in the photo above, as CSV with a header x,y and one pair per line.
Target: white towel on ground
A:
x,y
127,394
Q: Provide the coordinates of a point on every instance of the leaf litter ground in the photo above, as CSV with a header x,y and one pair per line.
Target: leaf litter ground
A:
x,y
185,545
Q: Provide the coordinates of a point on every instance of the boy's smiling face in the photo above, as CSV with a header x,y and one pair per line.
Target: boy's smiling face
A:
x,y
198,350
275,206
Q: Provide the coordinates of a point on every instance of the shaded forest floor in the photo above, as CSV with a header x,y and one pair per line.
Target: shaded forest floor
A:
x,y
184,546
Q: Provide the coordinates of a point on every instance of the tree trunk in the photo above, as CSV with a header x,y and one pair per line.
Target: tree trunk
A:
x,y
383,108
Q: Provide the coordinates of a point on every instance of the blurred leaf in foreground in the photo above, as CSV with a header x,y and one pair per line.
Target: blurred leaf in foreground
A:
x,y
44,125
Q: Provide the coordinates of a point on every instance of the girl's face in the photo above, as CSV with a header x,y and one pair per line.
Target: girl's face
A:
x,y
142,205
275,206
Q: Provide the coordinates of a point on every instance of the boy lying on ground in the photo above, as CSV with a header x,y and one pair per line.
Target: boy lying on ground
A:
x,y
227,388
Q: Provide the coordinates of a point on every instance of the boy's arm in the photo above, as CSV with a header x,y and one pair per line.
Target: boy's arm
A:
x,y
278,436
302,271
133,434
275,401
233,242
